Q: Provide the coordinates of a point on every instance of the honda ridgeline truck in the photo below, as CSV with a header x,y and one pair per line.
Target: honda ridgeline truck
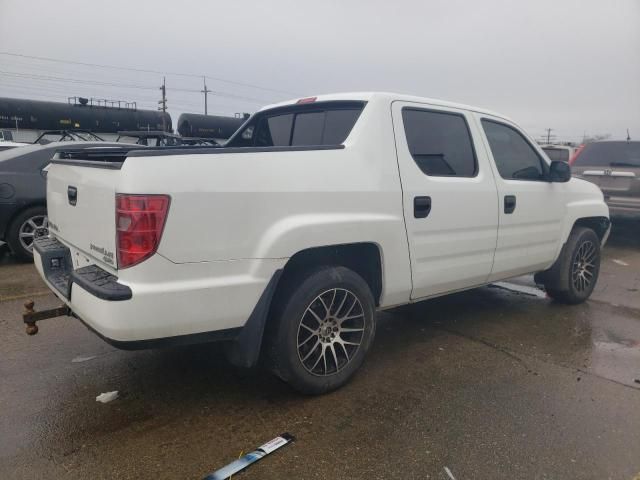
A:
x,y
314,216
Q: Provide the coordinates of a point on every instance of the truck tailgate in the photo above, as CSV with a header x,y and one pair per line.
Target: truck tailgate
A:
x,y
81,210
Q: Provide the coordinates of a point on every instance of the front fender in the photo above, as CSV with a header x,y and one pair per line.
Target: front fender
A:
x,y
585,201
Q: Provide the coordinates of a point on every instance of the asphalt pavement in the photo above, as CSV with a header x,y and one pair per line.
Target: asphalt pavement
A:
x,y
493,383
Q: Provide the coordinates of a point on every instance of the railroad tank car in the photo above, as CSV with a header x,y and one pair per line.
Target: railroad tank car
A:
x,y
35,116
209,126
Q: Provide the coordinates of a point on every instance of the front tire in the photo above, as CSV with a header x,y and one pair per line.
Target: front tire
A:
x,y
324,324
573,277
25,228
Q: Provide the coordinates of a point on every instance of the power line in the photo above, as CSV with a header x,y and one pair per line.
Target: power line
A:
x,y
142,70
148,101
51,78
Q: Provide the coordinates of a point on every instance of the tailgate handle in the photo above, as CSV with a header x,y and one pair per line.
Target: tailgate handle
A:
x,y
72,195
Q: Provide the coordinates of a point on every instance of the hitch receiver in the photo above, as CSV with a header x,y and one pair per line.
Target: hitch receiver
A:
x,y
30,316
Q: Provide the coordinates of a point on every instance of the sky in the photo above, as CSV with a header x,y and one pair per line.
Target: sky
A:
x,y
569,65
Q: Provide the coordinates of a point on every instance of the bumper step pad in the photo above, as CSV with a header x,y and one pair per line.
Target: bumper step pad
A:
x,y
58,270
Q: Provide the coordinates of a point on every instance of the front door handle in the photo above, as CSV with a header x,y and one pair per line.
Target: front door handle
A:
x,y
509,203
421,207
72,195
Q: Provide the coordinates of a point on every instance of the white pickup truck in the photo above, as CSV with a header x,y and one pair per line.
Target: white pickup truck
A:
x,y
316,214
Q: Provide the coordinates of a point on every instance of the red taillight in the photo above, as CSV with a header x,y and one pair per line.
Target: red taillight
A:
x,y
139,224
307,100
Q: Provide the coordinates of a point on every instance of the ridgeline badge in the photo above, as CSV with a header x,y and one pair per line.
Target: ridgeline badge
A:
x,y
107,256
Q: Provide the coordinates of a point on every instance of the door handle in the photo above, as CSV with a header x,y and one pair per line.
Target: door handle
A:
x,y
72,195
421,207
509,203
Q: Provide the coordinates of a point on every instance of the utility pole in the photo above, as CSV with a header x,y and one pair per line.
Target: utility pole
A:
x,y
549,130
205,91
163,104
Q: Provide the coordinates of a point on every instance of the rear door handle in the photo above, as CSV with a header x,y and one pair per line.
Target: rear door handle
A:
x,y
72,195
509,203
421,207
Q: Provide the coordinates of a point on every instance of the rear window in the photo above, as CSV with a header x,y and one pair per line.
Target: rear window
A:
x,y
557,154
318,124
609,154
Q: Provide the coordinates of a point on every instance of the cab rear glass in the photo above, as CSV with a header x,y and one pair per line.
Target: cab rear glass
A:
x,y
609,154
304,125
557,154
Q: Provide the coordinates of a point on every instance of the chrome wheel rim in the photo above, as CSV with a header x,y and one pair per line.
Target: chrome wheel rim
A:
x,y
584,266
330,332
33,228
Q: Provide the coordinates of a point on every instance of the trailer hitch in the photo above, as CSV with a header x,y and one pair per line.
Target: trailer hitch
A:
x,y
30,316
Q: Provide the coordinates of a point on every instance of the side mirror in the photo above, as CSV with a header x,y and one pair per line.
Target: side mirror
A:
x,y
559,172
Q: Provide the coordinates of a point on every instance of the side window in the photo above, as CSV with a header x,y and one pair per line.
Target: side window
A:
x,y
308,129
514,156
274,131
338,125
440,143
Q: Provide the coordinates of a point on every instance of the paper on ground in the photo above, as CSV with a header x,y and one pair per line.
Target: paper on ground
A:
x,y
107,397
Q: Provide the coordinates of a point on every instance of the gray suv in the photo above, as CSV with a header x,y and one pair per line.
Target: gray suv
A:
x,y
615,167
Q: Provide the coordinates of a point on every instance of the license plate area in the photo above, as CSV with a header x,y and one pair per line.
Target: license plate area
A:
x,y
56,264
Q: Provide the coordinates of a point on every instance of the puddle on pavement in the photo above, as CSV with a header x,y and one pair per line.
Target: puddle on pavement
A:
x,y
615,350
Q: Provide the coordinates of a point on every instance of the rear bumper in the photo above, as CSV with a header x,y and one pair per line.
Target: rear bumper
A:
x,y
169,303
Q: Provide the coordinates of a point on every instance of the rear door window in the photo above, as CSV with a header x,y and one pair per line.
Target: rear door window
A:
x,y
514,156
440,143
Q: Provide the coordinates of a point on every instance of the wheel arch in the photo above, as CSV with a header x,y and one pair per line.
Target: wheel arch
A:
x,y
364,258
599,224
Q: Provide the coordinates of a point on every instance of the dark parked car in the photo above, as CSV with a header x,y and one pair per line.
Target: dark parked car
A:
x,y
23,213
615,167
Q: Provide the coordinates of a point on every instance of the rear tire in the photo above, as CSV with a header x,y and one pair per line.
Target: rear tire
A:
x,y
322,327
24,229
573,277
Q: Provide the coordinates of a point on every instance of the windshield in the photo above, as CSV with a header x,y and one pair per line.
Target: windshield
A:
x,y
609,154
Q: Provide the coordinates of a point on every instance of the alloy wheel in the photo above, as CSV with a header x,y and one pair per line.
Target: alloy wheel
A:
x,y
583,267
33,228
330,332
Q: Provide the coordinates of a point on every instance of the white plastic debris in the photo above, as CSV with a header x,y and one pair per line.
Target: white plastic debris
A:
x,y
620,262
83,359
107,397
448,472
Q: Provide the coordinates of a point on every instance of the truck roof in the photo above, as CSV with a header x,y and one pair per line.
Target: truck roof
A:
x,y
387,97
